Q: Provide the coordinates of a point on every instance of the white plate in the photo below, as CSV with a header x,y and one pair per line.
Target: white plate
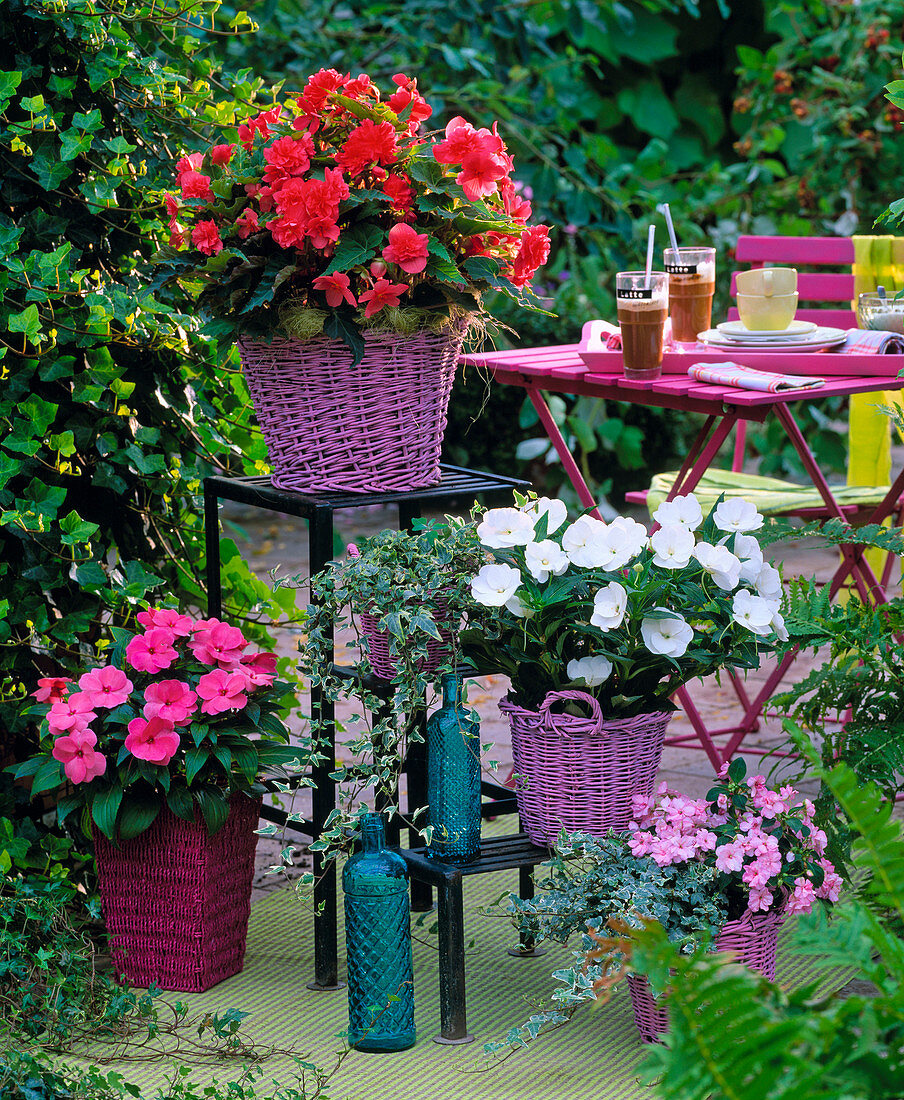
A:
x,y
735,328
818,335
821,344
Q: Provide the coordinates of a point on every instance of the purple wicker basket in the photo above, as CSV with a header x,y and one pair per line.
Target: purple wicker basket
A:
x,y
580,774
381,660
176,899
754,941
374,427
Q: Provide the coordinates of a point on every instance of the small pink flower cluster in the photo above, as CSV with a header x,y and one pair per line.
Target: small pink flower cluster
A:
x,y
165,704
764,840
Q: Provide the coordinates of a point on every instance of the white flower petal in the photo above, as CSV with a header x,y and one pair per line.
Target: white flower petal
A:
x,y
591,671
667,637
502,528
683,511
495,584
737,514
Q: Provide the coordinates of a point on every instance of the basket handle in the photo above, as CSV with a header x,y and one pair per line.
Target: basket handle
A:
x,y
546,717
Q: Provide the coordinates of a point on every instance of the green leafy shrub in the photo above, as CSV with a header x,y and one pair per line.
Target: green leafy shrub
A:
x,y
112,410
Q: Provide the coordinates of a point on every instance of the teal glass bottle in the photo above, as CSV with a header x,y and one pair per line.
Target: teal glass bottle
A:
x,y
453,777
378,944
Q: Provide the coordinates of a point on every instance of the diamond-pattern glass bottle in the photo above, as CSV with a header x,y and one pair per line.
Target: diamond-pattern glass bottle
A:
x,y
378,944
453,777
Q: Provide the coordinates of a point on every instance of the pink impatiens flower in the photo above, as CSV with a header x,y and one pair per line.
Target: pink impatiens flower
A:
x,y
759,901
170,699
72,713
51,689
802,897
152,651
76,753
167,617
106,687
259,669
216,643
222,690
831,884
152,739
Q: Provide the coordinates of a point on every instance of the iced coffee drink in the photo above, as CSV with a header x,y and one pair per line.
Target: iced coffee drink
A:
x,y
692,281
643,306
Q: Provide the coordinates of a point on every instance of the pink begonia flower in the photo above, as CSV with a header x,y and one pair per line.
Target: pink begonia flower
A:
x,y
106,687
759,901
218,644
152,739
76,753
73,712
152,651
407,248
831,884
259,669
222,690
167,617
802,897
172,700
336,287
51,689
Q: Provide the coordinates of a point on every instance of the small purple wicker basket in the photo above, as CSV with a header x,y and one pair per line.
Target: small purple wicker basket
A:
x,y
176,899
580,774
381,660
754,941
374,427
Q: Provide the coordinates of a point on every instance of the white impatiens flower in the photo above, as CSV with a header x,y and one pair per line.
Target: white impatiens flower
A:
x,y
501,528
737,515
623,541
672,546
667,637
778,625
720,563
609,606
519,608
543,558
684,511
590,671
753,612
748,550
554,510
582,541
495,584
768,582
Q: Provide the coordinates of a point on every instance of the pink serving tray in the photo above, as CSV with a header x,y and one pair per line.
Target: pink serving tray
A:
x,y
824,364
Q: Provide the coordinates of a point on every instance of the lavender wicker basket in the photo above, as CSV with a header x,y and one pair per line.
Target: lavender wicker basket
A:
x,y
374,427
754,941
580,773
380,656
176,899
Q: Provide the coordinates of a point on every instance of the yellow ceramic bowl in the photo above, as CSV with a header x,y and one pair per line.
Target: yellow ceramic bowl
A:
x,y
767,314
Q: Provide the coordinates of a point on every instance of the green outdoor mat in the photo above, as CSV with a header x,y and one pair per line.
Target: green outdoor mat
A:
x,y
592,1058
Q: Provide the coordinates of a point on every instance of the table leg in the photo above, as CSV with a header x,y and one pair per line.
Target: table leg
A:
x,y
561,447
527,946
453,1020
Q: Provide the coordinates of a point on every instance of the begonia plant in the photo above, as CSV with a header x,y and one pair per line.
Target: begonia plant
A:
x,y
336,210
181,715
608,609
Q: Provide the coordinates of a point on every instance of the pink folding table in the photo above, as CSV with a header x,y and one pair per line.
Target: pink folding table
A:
x,y
562,369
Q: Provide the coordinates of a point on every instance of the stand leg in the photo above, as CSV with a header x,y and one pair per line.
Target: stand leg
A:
x,y
453,1022
528,947
212,553
416,769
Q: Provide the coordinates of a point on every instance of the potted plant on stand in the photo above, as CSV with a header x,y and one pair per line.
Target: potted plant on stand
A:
x,y
404,594
347,250
163,747
725,871
605,622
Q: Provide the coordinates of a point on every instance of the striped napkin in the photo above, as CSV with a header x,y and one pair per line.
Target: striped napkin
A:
x,y
749,378
861,341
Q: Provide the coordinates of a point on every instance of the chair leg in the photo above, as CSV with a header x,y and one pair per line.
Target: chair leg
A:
x,y
527,948
453,1021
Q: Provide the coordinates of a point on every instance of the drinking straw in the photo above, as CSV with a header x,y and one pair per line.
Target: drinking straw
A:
x,y
650,236
670,225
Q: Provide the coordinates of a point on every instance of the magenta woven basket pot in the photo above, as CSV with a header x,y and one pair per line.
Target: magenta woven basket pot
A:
x,y
754,941
176,899
580,774
381,660
374,427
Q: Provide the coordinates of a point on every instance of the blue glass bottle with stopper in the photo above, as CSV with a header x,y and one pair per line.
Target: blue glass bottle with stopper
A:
x,y
453,776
